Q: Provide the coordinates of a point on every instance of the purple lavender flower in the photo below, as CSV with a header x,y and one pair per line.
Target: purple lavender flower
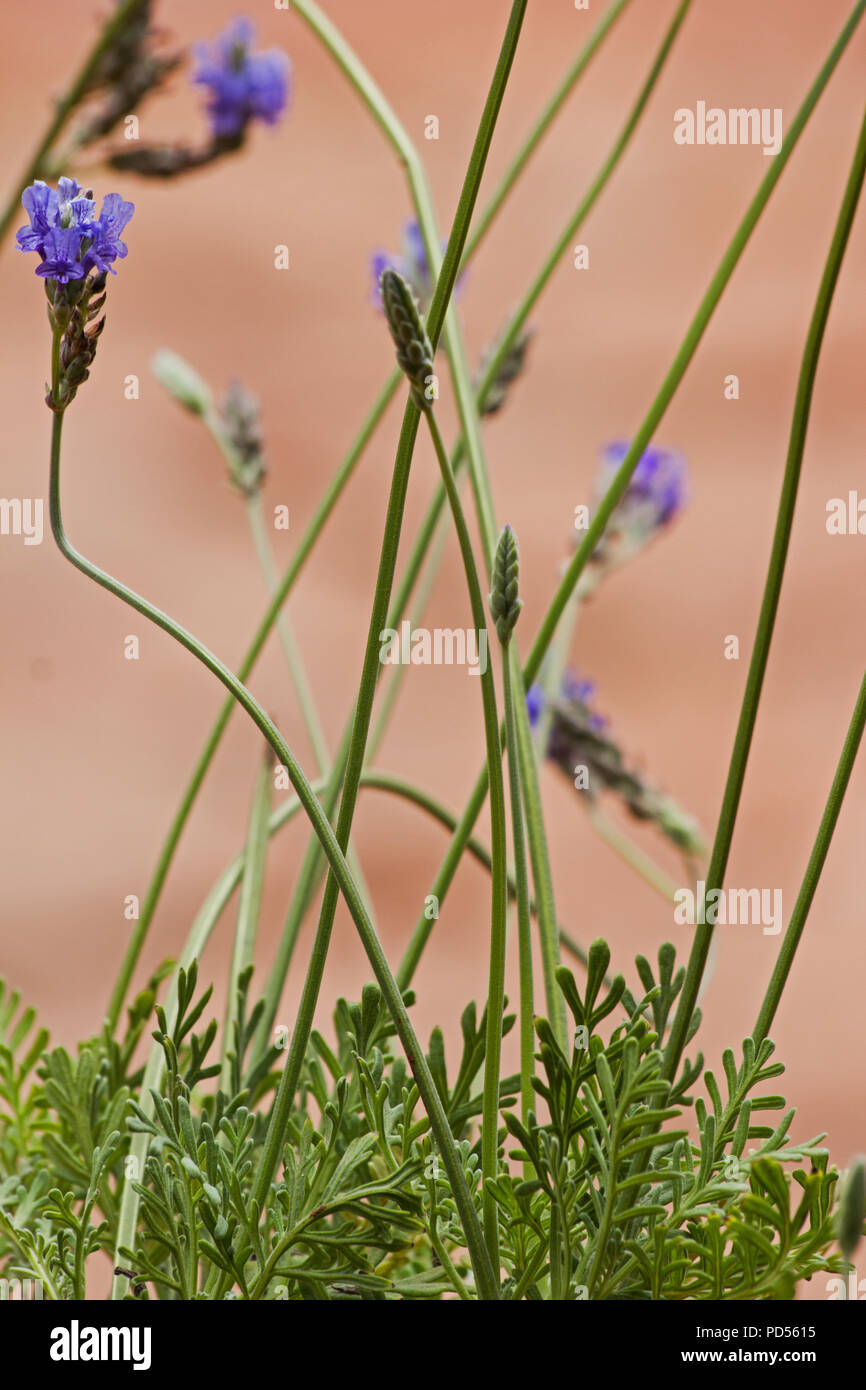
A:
x,y
244,86
657,487
536,701
106,245
60,249
68,238
655,495
573,690
412,264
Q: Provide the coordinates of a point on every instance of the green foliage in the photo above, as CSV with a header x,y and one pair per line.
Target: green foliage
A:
x,y
606,1197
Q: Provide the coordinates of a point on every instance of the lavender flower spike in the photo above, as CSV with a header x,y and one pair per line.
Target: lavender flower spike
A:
x,y
243,86
76,250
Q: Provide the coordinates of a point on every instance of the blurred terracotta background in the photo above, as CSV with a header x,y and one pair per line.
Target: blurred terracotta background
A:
x,y
96,749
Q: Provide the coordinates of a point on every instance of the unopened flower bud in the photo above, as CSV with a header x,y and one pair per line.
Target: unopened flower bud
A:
x,y
505,603
182,381
414,349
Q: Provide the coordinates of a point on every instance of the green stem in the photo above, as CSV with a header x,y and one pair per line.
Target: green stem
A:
x,y
300,680
308,540
330,499
517,322
382,113
542,125
498,913
243,953
631,853
486,1282
820,848
395,680
488,1276
65,106
288,641
519,318
524,936
773,585
641,439
334,491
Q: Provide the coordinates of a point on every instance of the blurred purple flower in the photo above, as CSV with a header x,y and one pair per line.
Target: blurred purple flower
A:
x,y
244,86
657,490
412,264
573,691
656,493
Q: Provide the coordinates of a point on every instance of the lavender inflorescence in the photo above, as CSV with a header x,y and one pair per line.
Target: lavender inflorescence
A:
x,y
76,250
243,87
129,70
656,493
510,369
579,738
241,418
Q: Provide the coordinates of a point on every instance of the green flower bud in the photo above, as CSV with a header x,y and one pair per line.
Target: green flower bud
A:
x,y
414,350
505,605
182,381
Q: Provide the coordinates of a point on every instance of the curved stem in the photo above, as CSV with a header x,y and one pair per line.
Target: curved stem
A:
x,y
496,980
333,493
299,559
243,952
298,673
770,600
341,876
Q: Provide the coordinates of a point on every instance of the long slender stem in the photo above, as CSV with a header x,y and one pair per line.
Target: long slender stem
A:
x,y
543,124
524,938
548,928
387,564
298,673
243,953
639,443
316,526
770,601
820,848
486,1280
385,117
330,499
496,982
288,641
516,324
631,853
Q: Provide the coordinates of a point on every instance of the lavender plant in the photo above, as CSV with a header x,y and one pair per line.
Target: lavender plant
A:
x,y
242,1160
